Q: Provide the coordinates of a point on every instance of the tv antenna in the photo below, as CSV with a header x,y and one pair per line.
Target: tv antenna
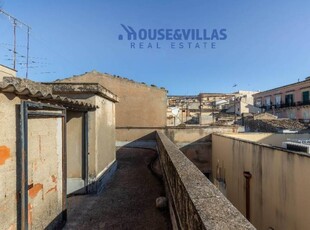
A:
x,y
15,23
175,111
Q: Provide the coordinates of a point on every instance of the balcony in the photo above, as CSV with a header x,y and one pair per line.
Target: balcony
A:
x,y
285,105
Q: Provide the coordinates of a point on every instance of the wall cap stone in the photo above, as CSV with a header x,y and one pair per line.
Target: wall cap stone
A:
x,y
262,144
214,210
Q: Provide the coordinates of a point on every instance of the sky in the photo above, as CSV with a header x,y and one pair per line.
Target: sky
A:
x,y
267,44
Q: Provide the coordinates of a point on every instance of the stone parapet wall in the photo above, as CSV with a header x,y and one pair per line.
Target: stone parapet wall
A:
x,y
194,202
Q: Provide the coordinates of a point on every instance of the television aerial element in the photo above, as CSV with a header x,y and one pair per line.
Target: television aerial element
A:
x,y
175,111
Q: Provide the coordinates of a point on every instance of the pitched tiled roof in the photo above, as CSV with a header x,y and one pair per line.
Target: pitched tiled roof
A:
x,y
39,91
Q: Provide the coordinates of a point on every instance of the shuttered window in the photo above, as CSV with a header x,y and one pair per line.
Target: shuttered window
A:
x,y
289,99
305,96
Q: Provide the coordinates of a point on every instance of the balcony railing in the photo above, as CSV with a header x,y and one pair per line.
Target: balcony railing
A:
x,y
284,105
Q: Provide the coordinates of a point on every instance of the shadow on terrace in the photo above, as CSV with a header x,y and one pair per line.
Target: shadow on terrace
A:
x,y
128,200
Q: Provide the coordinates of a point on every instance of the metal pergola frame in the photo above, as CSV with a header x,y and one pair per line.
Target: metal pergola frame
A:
x,y
28,110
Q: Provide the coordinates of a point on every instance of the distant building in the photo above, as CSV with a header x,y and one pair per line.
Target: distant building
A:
x,y
205,108
288,101
207,100
242,102
182,109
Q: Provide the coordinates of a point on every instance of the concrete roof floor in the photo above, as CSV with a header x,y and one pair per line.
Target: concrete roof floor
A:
x,y
128,200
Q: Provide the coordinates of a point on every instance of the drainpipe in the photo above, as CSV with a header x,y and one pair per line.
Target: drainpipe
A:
x,y
235,118
200,111
247,176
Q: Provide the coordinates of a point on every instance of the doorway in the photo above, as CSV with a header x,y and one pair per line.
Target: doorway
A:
x,y
77,152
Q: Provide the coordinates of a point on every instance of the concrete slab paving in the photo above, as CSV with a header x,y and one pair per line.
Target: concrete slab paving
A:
x,y
127,202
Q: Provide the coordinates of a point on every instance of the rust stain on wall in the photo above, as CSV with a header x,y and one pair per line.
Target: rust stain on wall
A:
x,y
4,154
54,179
35,189
40,147
29,214
35,166
12,227
52,189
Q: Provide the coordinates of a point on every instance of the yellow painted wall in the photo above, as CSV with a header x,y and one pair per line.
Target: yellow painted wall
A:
x,y
44,172
139,105
274,139
74,144
8,160
105,129
279,183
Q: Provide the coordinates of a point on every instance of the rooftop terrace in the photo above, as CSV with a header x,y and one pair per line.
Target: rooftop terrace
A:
x,y
128,200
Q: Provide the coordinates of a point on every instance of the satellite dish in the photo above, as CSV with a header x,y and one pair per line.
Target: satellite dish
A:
x,y
175,111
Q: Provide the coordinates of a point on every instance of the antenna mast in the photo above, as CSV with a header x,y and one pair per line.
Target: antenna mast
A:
x,y
15,23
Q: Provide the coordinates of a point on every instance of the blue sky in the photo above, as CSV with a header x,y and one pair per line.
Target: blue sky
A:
x,y
268,42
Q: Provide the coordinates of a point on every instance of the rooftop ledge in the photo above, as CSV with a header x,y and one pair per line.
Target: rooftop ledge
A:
x,y
82,88
195,203
35,90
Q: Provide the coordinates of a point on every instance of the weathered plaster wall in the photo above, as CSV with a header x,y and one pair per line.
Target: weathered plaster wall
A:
x,y
45,148
196,144
44,171
101,143
255,137
92,131
8,144
193,134
176,134
206,118
6,72
75,157
194,201
74,144
300,113
139,105
279,186
133,134
274,139
105,126
101,136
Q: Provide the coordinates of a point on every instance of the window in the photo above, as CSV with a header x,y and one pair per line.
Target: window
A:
x,y
267,102
258,102
247,176
278,100
305,97
289,99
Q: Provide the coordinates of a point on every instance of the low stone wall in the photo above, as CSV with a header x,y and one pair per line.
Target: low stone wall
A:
x,y
193,141
180,135
194,202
